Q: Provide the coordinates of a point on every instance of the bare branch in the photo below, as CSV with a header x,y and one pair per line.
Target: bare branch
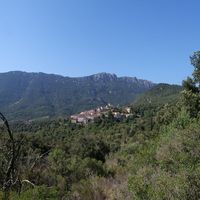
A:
x,y
27,181
11,170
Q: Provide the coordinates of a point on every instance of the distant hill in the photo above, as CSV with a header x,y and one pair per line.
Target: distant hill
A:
x,y
158,95
33,95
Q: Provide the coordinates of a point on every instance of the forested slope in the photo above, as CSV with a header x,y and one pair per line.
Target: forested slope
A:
x,y
153,155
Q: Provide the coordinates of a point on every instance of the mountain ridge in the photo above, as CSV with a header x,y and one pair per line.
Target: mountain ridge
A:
x,y
27,95
100,74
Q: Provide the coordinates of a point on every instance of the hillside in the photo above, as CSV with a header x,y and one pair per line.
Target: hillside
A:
x,y
158,95
145,157
32,95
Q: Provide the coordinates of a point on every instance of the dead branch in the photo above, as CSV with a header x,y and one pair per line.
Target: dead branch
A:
x,y
27,181
11,170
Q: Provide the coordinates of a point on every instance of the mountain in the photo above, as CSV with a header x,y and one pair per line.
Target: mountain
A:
x,y
158,95
33,95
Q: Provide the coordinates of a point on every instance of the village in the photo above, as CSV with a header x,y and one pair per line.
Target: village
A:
x,y
88,116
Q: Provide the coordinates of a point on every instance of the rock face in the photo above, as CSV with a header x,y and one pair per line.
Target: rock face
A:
x,y
32,95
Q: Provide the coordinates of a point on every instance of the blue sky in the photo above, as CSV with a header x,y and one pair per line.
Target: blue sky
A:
x,y
147,39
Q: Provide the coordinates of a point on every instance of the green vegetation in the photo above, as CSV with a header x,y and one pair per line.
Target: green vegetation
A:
x,y
159,95
153,155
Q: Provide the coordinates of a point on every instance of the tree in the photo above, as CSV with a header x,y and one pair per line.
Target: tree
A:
x,y
191,86
195,61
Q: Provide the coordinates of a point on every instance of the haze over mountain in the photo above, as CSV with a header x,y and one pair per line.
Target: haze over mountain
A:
x,y
32,95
